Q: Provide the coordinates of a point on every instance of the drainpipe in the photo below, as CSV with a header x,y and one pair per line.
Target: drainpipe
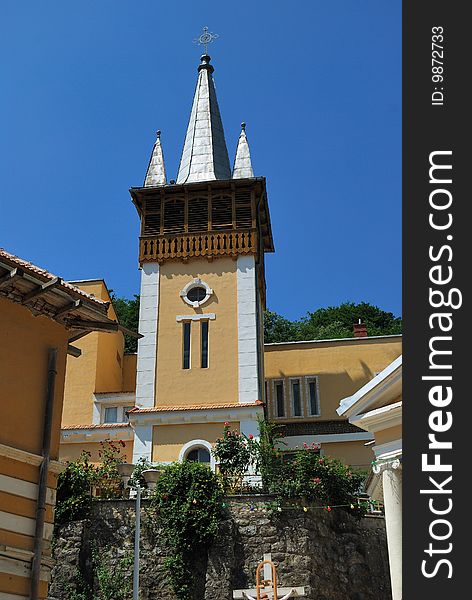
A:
x,y
43,475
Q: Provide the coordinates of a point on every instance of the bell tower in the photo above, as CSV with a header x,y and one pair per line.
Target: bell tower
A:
x,y
201,253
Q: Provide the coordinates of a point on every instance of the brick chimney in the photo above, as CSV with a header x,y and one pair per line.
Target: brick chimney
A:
x,y
360,329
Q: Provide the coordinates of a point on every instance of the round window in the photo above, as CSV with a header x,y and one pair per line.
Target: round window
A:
x,y
197,294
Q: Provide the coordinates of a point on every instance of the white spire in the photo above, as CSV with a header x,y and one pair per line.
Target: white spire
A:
x,y
156,172
242,162
205,156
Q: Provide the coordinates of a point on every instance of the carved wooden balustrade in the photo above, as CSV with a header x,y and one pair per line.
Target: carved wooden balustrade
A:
x,y
188,245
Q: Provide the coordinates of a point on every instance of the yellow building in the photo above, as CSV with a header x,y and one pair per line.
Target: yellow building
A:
x,y
201,360
40,317
305,381
99,389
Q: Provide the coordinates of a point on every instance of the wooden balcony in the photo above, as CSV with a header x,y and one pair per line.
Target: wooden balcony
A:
x,y
210,244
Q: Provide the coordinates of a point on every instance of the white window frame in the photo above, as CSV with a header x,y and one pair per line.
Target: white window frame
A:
x,y
292,411
193,284
207,321
195,445
120,413
189,323
274,398
309,379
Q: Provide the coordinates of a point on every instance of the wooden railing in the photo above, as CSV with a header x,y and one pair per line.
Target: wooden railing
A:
x,y
188,245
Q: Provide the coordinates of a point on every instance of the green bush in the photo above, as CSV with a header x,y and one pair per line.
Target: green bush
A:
x,y
187,508
74,493
320,479
75,483
302,474
234,453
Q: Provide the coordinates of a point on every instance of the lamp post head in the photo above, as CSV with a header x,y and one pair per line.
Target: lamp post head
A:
x,y
125,470
151,477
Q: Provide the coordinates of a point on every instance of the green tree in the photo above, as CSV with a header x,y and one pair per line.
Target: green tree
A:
x,y
333,322
127,312
279,329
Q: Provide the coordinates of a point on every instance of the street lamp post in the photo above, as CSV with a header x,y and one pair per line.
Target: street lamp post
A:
x,y
150,476
137,533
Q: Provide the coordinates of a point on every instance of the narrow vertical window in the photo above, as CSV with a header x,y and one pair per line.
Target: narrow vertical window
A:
x,y
111,414
279,398
313,397
296,399
204,344
186,344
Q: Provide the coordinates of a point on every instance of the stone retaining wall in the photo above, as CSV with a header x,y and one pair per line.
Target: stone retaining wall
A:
x,y
333,555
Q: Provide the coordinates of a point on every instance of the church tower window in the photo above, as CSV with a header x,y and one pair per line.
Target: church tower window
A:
x,y
196,293
204,344
174,216
186,345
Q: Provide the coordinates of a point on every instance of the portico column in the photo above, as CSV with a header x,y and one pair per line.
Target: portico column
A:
x,y
392,492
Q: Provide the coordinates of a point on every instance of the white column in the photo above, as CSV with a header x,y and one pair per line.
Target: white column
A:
x,y
251,427
147,345
142,446
247,330
392,491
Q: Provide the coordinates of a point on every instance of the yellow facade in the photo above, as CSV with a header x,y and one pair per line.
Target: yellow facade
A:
x,y
71,452
98,369
219,382
168,440
338,368
24,360
342,366
129,373
356,454
384,436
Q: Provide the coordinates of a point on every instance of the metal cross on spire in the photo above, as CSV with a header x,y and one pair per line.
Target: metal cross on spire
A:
x,y
205,38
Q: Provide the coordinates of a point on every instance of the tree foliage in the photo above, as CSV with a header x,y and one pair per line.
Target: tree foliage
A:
x,y
74,485
127,311
333,322
187,504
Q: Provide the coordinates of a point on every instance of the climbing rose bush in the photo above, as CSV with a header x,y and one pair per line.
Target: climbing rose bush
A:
x,y
233,452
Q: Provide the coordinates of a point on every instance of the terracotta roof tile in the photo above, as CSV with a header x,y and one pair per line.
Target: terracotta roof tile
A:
x,y
28,266
193,407
100,426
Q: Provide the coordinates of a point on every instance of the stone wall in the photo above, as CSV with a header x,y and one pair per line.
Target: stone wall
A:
x,y
333,555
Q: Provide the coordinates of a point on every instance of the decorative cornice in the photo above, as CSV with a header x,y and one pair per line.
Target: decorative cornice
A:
x,y
379,418
202,317
194,414
97,433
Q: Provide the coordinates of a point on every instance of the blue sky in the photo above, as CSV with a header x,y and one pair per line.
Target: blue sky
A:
x,y
86,84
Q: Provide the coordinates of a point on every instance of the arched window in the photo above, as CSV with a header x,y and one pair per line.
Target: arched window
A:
x,y
198,451
199,455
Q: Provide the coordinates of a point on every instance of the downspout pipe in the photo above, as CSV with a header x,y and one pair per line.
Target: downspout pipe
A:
x,y
43,474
